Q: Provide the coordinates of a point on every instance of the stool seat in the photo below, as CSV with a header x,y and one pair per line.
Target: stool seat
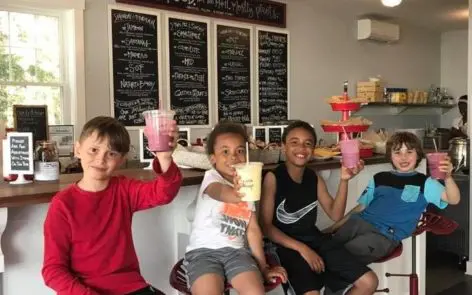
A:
x,y
394,254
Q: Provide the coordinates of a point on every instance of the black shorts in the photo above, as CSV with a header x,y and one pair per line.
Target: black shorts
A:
x,y
341,268
146,291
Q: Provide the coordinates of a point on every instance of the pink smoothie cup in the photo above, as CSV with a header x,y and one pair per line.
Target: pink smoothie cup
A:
x,y
158,126
350,152
434,160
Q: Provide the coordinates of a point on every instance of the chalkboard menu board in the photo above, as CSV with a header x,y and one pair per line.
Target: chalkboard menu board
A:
x,y
135,65
21,152
233,69
264,12
188,71
275,134
31,118
273,68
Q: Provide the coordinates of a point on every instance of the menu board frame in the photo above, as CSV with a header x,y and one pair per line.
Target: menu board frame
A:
x,y
271,30
159,36
251,65
209,64
44,128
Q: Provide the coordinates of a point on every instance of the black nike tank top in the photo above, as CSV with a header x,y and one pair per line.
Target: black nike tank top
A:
x,y
296,204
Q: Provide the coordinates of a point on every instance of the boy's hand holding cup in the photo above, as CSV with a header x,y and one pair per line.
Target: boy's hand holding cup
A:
x,y
445,165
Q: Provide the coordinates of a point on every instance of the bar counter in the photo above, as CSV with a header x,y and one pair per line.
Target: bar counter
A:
x,y
42,192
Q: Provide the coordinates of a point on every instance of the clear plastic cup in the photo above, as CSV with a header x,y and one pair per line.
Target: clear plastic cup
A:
x,y
434,160
251,179
350,152
158,125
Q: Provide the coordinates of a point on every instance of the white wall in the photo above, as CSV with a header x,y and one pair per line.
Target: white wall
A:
x,y
453,69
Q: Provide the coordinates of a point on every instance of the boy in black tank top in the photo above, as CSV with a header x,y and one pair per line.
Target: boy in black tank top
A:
x,y
290,197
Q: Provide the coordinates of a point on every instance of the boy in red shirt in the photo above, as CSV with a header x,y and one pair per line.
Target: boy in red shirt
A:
x,y
87,233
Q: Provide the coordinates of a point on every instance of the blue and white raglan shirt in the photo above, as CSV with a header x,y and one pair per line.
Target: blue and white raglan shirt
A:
x,y
395,201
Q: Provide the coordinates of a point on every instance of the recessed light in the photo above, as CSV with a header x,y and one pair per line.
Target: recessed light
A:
x,y
391,3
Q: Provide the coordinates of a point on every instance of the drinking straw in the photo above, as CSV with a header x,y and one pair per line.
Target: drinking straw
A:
x,y
435,146
347,134
247,152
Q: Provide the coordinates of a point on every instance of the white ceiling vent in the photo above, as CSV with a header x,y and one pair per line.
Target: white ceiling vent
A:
x,y
371,29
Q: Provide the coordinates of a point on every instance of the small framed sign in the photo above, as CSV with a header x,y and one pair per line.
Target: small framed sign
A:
x,y
31,118
184,134
63,135
275,134
145,155
259,133
19,147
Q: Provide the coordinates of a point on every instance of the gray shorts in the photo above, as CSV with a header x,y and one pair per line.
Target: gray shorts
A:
x,y
227,262
364,240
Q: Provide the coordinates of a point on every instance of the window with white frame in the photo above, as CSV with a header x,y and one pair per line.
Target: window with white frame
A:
x,y
31,63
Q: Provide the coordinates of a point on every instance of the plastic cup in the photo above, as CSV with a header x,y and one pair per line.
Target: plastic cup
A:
x,y
350,152
158,125
251,179
434,160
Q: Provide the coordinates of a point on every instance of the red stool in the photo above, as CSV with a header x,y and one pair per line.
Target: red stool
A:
x,y
178,280
429,222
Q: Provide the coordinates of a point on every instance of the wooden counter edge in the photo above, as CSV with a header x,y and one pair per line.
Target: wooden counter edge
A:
x,y
42,192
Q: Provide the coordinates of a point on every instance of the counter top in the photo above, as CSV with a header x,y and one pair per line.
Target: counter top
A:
x,y
42,192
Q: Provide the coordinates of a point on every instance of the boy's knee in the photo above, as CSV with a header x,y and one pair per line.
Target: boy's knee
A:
x,y
248,283
368,282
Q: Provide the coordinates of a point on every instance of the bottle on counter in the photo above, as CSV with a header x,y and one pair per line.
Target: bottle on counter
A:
x,y
46,161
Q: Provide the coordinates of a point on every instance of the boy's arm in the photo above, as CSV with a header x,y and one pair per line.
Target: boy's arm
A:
x,y
161,191
336,207
452,194
254,239
57,243
267,213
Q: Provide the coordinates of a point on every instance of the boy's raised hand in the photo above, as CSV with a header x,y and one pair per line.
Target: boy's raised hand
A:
x,y
271,273
236,196
348,173
446,166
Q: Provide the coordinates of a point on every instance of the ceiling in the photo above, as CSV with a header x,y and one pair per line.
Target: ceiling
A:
x,y
438,15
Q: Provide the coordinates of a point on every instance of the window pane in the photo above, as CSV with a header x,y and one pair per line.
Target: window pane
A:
x,y
4,28
31,95
47,67
22,28
22,62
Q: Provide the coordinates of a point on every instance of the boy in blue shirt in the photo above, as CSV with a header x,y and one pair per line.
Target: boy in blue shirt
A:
x,y
391,205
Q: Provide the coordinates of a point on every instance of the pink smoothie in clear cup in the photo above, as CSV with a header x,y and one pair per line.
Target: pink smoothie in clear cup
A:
x,y
350,152
434,160
158,126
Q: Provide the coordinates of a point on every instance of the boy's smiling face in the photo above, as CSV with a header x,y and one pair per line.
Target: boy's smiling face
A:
x,y
299,146
97,159
230,149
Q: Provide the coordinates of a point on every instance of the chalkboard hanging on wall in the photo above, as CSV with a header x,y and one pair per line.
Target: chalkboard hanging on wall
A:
x,y
273,76
262,12
187,52
135,64
31,118
234,74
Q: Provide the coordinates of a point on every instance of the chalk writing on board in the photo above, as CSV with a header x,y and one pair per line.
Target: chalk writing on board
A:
x,y
273,76
20,153
260,134
275,135
234,73
32,118
188,68
135,65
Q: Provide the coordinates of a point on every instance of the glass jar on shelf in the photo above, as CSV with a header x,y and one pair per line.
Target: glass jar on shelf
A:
x,y
46,161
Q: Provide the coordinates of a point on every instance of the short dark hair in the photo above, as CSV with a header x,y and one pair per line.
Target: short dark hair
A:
x,y
225,127
108,127
299,124
410,140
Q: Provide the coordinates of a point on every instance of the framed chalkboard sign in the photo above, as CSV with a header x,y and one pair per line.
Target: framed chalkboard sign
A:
x,y
135,77
233,65
20,153
184,136
263,12
188,64
275,134
273,64
259,133
31,118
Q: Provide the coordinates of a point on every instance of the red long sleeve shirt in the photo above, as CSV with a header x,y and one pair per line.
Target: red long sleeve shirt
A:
x,y
88,242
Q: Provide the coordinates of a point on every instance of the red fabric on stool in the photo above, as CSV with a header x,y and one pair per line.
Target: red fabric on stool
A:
x,y
394,254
